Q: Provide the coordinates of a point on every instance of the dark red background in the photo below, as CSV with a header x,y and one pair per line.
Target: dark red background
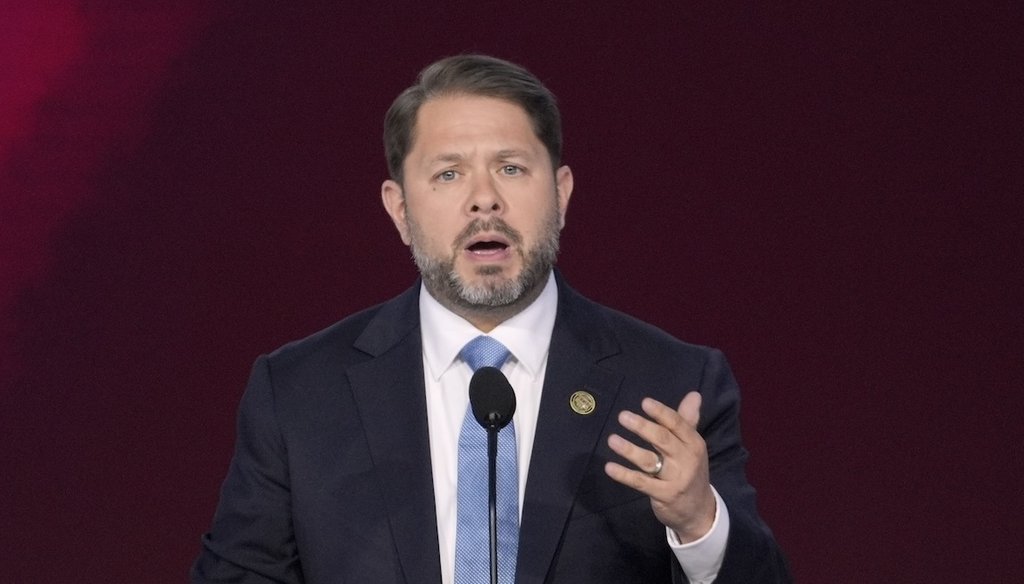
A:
x,y
831,194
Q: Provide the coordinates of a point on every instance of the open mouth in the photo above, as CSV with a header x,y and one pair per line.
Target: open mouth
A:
x,y
489,246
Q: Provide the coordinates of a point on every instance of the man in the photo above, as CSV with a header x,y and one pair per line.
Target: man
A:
x,y
349,459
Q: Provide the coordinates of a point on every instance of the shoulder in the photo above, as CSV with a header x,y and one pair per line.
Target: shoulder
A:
x,y
355,338
634,338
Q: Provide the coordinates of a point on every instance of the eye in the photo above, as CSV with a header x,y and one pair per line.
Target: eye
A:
x,y
446,176
511,170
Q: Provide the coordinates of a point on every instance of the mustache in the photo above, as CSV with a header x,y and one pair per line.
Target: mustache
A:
x,y
495,224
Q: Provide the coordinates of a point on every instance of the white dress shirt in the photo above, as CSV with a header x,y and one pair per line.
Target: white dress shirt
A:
x,y
527,336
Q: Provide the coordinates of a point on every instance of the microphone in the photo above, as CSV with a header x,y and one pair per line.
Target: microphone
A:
x,y
493,402
492,398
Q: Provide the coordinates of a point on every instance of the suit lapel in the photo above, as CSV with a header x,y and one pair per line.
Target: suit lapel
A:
x,y
390,396
565,440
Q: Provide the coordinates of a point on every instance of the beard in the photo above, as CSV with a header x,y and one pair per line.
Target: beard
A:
x,y
492,292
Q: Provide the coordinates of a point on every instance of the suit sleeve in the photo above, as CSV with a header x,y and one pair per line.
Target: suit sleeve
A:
x,y
252,540
751,555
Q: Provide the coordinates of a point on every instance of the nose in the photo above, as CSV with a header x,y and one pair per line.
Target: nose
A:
x,y
484,198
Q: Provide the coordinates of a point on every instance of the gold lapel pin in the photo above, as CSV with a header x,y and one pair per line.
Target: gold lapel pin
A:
x,y
582,403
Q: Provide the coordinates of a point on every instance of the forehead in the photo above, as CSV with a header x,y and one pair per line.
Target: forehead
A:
x,y
472,121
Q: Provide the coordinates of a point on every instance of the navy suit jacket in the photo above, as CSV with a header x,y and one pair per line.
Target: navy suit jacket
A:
x,y
331,478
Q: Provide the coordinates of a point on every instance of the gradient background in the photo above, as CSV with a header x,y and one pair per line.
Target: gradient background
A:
x,y
831,194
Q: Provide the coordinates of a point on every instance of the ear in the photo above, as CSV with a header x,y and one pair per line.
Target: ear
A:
x,y
394,203
563,184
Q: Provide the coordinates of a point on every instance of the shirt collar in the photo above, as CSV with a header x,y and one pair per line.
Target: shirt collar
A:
x,y
527,335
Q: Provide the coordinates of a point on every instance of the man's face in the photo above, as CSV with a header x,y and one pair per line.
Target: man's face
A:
x,y
481,206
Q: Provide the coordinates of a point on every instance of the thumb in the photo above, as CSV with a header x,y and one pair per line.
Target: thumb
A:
x,y
689,408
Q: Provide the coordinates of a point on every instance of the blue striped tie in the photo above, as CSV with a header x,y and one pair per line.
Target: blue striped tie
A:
x,y
472,532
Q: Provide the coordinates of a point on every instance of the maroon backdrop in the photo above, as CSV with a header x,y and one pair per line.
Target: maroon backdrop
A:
x,y
830,194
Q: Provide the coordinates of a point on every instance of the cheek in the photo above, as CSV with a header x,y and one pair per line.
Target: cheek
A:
x,y
432,234
541,221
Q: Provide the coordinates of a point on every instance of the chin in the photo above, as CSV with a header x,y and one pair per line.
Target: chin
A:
x,y
488,274
489,286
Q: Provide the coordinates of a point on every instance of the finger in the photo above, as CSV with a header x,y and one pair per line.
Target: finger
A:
x,y
679,427
689,408
651,431
634,479
644,460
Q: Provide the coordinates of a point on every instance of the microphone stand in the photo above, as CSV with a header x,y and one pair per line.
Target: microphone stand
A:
x,y
493,403
492,492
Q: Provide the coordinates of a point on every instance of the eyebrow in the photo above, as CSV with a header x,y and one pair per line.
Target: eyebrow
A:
x,y
452,157
447,157
512,154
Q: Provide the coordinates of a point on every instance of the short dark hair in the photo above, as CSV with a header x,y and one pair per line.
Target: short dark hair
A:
x,y
478,75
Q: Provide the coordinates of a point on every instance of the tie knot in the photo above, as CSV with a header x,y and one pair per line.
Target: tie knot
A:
x,y
484,351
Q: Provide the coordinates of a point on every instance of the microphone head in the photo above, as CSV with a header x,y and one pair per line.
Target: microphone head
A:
x,y
492,398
